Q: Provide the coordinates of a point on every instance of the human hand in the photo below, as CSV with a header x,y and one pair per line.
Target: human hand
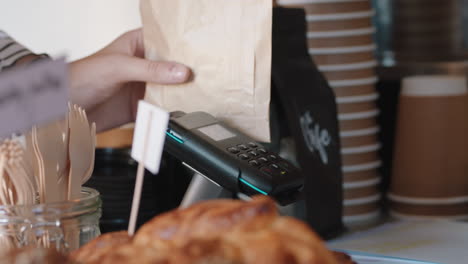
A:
x,y
109,83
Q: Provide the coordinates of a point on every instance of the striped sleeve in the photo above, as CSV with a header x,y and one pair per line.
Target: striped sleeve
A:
x,y
10,51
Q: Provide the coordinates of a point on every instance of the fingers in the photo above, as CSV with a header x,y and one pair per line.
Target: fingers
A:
x,y
130,43
136,69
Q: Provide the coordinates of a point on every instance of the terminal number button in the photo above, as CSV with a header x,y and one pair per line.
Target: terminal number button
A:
x,y
233,150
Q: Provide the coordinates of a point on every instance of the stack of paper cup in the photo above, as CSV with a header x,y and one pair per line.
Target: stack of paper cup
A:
x,y
430,168
427,30
340,41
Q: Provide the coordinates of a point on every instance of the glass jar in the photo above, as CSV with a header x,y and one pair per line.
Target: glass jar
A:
x,y
64,226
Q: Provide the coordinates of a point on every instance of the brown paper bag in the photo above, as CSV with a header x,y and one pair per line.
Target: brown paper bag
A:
x,y
228,46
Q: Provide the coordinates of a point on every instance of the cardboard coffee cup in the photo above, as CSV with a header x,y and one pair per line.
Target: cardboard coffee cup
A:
x,y
341,50
357,120
440,210
349,66
343,58
361,205
408,217
424,56
374,180
423,3
329,7
429,40
362,220
360,132
341,38
360,70
425,43
341,41
360,209
358,115
374,146
353,142
447,49
357,190
339,24
357,124
363,175
357,107
354,194
368,14
354,99
359,158
347,169
354,82
349,74
355,90
431,144
428,27
440,11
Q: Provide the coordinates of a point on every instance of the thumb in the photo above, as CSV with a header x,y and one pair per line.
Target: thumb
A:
x,y
162,72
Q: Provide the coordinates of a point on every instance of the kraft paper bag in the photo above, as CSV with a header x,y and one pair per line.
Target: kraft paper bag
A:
x,y
228,46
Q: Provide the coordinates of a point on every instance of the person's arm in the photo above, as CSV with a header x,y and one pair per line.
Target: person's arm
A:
x,y
109,83
13,53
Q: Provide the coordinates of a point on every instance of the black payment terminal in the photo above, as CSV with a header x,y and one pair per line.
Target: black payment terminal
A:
x,y
231,159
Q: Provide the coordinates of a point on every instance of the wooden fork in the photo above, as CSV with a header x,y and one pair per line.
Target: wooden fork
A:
x,y
54,154
39,166
80,147
89,173
3,190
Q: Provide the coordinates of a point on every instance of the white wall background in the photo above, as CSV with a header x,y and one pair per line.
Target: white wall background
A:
x,y
74,28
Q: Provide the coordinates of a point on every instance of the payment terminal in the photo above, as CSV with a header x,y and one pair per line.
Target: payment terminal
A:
x,y
229,159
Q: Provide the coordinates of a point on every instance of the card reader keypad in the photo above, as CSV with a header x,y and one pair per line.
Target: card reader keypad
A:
x,y
253,153
260,158
243,147
252,145
233,150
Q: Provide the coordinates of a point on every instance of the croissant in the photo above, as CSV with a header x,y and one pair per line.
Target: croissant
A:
x,y
96,249
217,232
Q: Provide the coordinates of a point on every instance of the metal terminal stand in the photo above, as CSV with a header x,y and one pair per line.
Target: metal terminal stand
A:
x,y
201,188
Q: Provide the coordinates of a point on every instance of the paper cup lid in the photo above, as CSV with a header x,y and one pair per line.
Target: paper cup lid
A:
x,y
361,149
299,2
401,216
340,16
342,50
347,67
434,85
427,201
353,82
362,167
362,184
360,132
341,33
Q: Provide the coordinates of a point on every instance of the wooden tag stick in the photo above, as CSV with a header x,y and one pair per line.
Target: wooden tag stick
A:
x,y
147,149
139,181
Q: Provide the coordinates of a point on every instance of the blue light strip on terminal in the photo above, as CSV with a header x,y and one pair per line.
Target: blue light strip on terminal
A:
x,y
253,187
175,138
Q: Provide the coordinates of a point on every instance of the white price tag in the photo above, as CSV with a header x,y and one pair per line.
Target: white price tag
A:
x,y
150,133
32,95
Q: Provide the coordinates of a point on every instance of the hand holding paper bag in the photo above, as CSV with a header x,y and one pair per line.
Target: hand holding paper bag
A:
x,y
110,82
228,46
